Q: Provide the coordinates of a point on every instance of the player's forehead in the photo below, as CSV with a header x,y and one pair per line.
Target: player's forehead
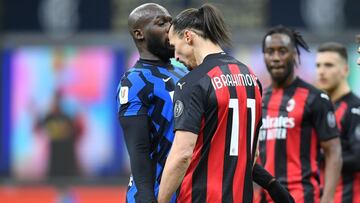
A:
x,y
156,11
277,40
171,34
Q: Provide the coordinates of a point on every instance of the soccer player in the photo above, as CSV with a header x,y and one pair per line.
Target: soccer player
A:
x,y
298,120
145,101
217,109
332,71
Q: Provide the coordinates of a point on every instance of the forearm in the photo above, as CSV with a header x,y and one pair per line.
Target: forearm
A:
x,y
176,164
138,145
173,174
261,176
333,164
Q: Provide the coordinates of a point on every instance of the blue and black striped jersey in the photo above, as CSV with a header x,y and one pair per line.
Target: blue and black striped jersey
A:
x,y
147,89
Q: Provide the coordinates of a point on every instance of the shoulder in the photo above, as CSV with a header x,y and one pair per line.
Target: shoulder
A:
x,y
315,94
354,104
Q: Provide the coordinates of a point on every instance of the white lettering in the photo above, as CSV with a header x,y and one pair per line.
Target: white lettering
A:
x,y
226,80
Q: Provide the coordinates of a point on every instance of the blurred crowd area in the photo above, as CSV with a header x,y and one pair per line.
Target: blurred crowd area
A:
x,y
61,63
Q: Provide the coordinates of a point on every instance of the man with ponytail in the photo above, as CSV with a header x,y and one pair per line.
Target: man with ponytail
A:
x,y
298,121
217,110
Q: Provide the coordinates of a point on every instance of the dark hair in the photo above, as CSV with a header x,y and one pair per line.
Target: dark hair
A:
x,y
295,38
206,21
334,47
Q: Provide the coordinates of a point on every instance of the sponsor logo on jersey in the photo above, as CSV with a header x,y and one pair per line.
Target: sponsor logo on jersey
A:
x,y
275,127
181,84
278,122
166,79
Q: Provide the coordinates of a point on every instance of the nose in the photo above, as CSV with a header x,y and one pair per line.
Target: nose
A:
x,y
177,57
275,57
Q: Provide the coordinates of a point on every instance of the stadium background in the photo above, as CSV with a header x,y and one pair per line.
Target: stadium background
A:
x,y
82,47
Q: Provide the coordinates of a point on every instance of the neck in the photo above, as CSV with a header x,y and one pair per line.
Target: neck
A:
x,y
339,91
145,54
202,48
287,82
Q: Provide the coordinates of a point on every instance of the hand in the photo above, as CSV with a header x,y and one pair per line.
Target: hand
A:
x,y
279,194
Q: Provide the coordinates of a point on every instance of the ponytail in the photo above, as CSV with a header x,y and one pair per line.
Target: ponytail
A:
x,y
207,21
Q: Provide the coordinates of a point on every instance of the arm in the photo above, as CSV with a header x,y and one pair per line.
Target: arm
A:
x,y
333,163
136,132
351,150
176,164
277,192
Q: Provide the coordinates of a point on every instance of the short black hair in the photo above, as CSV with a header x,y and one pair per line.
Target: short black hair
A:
x,y
334,47
207,21
295,37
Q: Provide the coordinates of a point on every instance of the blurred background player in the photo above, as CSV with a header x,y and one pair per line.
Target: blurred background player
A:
x,y
332,71
63,132
297,119
145,101
214,147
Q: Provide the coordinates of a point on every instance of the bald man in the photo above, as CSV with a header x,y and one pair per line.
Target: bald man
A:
x,y
145,101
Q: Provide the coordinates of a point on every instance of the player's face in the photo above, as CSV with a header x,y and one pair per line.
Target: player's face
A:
x,y
183,51
330,70
156,35
279,55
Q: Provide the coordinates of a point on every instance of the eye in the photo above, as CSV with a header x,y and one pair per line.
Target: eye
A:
x,y
269,51
283,51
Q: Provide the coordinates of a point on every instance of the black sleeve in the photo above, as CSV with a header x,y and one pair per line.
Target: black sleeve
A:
x,y
261,176
351,154
136,132
189,107
277,192
323,118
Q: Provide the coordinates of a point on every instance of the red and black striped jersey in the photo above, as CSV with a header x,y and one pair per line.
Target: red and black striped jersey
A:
x,y
295,120
220,101
348,119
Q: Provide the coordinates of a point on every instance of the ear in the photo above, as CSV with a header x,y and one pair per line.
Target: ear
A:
x,y
138,34
188,35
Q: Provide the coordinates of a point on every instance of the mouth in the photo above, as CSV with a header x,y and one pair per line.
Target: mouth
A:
x,y
277,69
322,81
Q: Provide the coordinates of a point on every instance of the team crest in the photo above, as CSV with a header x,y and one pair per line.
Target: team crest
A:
x,y
178,108
290,105
124,95
331,119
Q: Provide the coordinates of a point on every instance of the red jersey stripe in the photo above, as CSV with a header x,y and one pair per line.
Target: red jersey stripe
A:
x,y
239,176
293,152
186,185
217,146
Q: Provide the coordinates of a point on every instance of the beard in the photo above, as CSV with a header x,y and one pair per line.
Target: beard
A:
x,y
159,48
289,70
